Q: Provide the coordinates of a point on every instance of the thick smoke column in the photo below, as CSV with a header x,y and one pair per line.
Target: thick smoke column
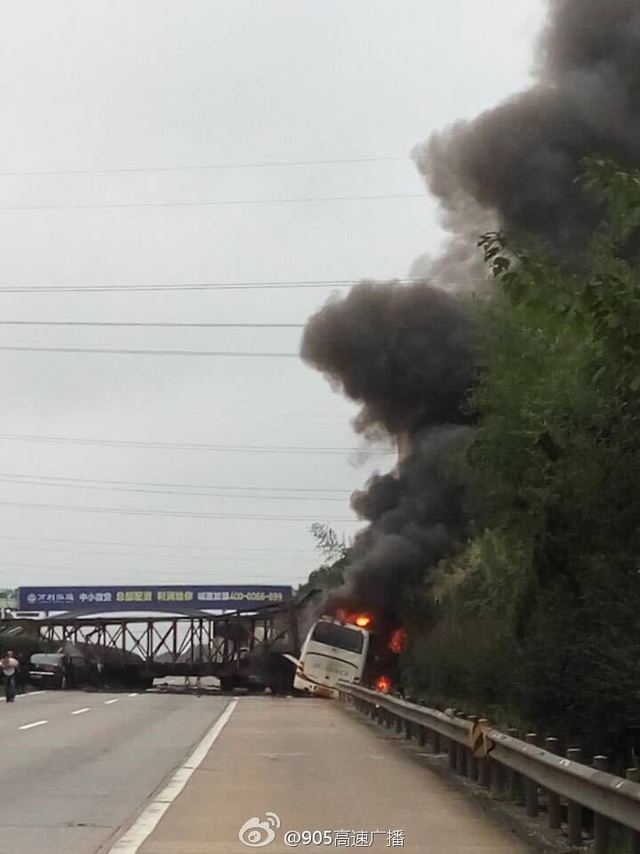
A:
x,y
406,353
417,519
515,165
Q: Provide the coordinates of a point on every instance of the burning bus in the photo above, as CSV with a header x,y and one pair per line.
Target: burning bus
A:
x,y
332,652
346,648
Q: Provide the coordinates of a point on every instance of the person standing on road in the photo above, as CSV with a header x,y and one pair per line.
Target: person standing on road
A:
x,y
9,666
69,673
97,669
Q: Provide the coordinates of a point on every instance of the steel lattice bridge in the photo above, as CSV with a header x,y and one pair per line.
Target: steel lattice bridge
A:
x,y
227,645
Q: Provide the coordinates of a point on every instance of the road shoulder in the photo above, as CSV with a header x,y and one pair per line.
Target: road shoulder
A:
x,y
317,769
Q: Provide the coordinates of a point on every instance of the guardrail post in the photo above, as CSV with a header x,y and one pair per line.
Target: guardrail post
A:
x,y
463,765
553,800
408,730
634,775
435,742
467,754
399,723
601,824
530,786
451,752
497,778
574,810
422,738
473,762
484,765
513,778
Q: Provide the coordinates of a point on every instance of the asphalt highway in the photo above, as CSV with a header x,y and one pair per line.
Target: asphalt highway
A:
x,y
76,766
316,779
173,773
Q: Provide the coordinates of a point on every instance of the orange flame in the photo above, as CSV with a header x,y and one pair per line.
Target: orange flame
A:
x,y
397,640
363,621
383,684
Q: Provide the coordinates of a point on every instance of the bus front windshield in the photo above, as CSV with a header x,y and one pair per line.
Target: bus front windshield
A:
x,y
341,637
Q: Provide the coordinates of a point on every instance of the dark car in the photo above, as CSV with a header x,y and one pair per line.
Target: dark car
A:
x,y
59,670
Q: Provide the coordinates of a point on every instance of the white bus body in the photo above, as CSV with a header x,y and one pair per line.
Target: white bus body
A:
x,y
332,652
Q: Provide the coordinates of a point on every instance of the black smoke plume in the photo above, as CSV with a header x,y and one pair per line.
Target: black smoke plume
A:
x,y
417,519
406,353
515,166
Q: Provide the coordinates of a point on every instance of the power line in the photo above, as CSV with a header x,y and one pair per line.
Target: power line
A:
x,y
52,482
209,558
206,167
170,485
189,286
153,324
160,546
173,514
219,286
182,575
219,203
300,449
106,351
140,571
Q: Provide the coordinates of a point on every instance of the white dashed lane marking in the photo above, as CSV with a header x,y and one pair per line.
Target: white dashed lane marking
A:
x,y
81,711
31,726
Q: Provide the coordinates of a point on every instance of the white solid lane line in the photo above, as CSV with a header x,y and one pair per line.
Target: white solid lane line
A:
x,y
148,820
132,695
109,702
81,711
31,726
29,694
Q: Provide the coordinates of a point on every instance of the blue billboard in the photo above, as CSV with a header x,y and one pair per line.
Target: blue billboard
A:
x,y
192,597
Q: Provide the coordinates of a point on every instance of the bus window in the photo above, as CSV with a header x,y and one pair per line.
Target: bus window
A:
x,y
341,637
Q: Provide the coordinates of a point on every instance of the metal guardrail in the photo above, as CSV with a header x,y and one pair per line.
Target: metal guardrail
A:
x,y
517,767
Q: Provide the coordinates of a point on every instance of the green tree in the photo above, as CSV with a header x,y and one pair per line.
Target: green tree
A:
x,y
552,581
335,553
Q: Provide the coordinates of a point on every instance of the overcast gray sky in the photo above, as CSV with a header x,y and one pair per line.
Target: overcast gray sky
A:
x,y
138,84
